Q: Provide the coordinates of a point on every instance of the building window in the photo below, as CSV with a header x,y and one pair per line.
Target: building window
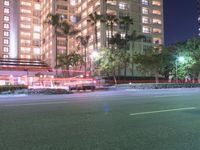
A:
x,y
5,41
6,18
145,11
156,3
5,56
6,26
145,2
5,33
145,20
6,10
146,30
157,21
157,41
157,12
123,6
6,3
6,49
157,30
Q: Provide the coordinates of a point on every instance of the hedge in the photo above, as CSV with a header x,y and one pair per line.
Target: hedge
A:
x,y
12,88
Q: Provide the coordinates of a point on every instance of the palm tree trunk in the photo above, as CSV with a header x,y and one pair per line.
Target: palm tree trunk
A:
x,y
96,39
85,60
56,51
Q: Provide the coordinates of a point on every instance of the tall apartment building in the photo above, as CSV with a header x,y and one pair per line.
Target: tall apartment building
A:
x,y
146,14
9,28
20,30
29,29
66,9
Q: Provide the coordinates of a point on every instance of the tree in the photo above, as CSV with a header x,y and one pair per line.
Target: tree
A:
x,y
110,20
93,19
55,21
66,60
153,61
132,38
68,30
111,60
190,50
126,22
84,41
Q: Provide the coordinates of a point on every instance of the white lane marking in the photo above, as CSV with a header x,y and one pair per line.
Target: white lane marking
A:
x,y
160,96
162,111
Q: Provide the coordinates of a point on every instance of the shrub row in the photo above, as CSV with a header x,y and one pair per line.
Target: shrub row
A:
x,y
12,88
164,85
48,91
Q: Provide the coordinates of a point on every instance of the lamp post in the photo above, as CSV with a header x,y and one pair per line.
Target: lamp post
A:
x,y
179,59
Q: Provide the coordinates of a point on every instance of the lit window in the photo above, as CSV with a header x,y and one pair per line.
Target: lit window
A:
x,y
6,10
5,56
157,21
156,3
146,30
6,18
145,2
25,11
6,3
156,30
6,49
25,34
157,12
36,50
5,41
145,10
36,36
25,18
37,7
36,28
6,26
157,41
123,6
25,3
25,26
25,49
145,20
5,33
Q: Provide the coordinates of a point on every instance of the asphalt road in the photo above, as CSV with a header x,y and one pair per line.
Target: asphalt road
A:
x,y
105,120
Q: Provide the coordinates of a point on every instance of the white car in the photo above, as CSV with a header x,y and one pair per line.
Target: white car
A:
x,y
82,84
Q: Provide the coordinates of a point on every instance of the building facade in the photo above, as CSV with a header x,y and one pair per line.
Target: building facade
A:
x,y
25,35
9,28
147,18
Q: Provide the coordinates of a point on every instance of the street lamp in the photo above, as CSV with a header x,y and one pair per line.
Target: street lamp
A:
x,y
94,57
180,59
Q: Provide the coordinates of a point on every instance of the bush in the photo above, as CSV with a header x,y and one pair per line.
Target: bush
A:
x,y
48,91
12,88
164,85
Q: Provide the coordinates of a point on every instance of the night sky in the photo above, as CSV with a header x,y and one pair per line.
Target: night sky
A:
x,y
180,20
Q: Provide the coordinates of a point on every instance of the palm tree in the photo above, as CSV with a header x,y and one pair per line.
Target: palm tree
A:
x,y
110,20
84,41
126,21
72,59
132,38
68,30
93,18
55,21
